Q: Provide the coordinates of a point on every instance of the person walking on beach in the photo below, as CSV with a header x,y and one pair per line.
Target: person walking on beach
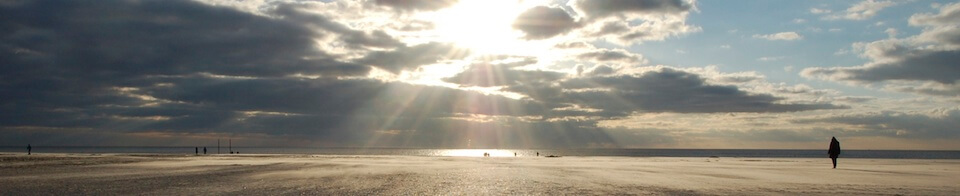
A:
x,y
834,151
204,150
196,150
29,149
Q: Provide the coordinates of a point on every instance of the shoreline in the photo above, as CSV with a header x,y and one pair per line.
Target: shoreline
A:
x,y
692,153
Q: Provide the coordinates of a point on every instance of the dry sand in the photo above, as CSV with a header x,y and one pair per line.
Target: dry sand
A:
x,y
129,174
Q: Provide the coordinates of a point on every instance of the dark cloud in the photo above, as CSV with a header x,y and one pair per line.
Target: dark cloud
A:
x,y
600,70
177,66
608,55
543,22
413,56
612,27
180,69
855,99
600,9
87,39
415,5
672,91
61,69
353,38
666,90
739,78
181,72
922,65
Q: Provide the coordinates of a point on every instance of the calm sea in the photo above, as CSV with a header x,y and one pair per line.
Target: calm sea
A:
x,y
886,154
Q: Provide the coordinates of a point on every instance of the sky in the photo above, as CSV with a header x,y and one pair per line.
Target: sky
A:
x,y
753,74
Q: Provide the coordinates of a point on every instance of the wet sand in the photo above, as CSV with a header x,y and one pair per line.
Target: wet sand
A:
x,y
153,174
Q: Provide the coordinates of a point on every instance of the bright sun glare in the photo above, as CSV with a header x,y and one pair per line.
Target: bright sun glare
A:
x,y
484,27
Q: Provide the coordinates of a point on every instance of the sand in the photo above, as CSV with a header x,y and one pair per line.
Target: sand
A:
x,y
153,174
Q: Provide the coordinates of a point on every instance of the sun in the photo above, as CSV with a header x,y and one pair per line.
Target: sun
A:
x,y
484,27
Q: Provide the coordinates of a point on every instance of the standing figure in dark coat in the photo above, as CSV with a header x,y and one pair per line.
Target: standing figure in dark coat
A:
x,y
29,149
834,151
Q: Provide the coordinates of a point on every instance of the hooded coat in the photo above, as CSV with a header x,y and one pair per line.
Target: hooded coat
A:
x,y
834,148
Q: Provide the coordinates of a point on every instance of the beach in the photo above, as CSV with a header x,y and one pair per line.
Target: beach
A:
x,y
252,174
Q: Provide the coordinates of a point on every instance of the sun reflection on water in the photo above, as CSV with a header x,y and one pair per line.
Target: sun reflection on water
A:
x,y
475,152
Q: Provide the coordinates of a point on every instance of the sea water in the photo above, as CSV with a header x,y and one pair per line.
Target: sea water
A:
x,y
771,153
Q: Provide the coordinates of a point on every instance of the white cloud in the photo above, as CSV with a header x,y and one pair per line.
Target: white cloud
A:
x,y
788,36
770,58
842,51
819,11
860,11
891,32
949,14
799,20
725,46
403,5
923,64
630,22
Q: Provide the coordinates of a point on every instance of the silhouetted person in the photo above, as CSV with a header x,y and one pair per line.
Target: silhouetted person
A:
x,y
538,154
834,151
204,150
196,150
514,154
29,149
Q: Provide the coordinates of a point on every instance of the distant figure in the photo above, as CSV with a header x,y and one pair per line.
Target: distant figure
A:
x,y
196,150
204,150
538,154
29,149
486,154
514,154
834,151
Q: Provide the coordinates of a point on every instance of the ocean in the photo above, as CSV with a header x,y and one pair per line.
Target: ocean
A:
x,y
769,153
